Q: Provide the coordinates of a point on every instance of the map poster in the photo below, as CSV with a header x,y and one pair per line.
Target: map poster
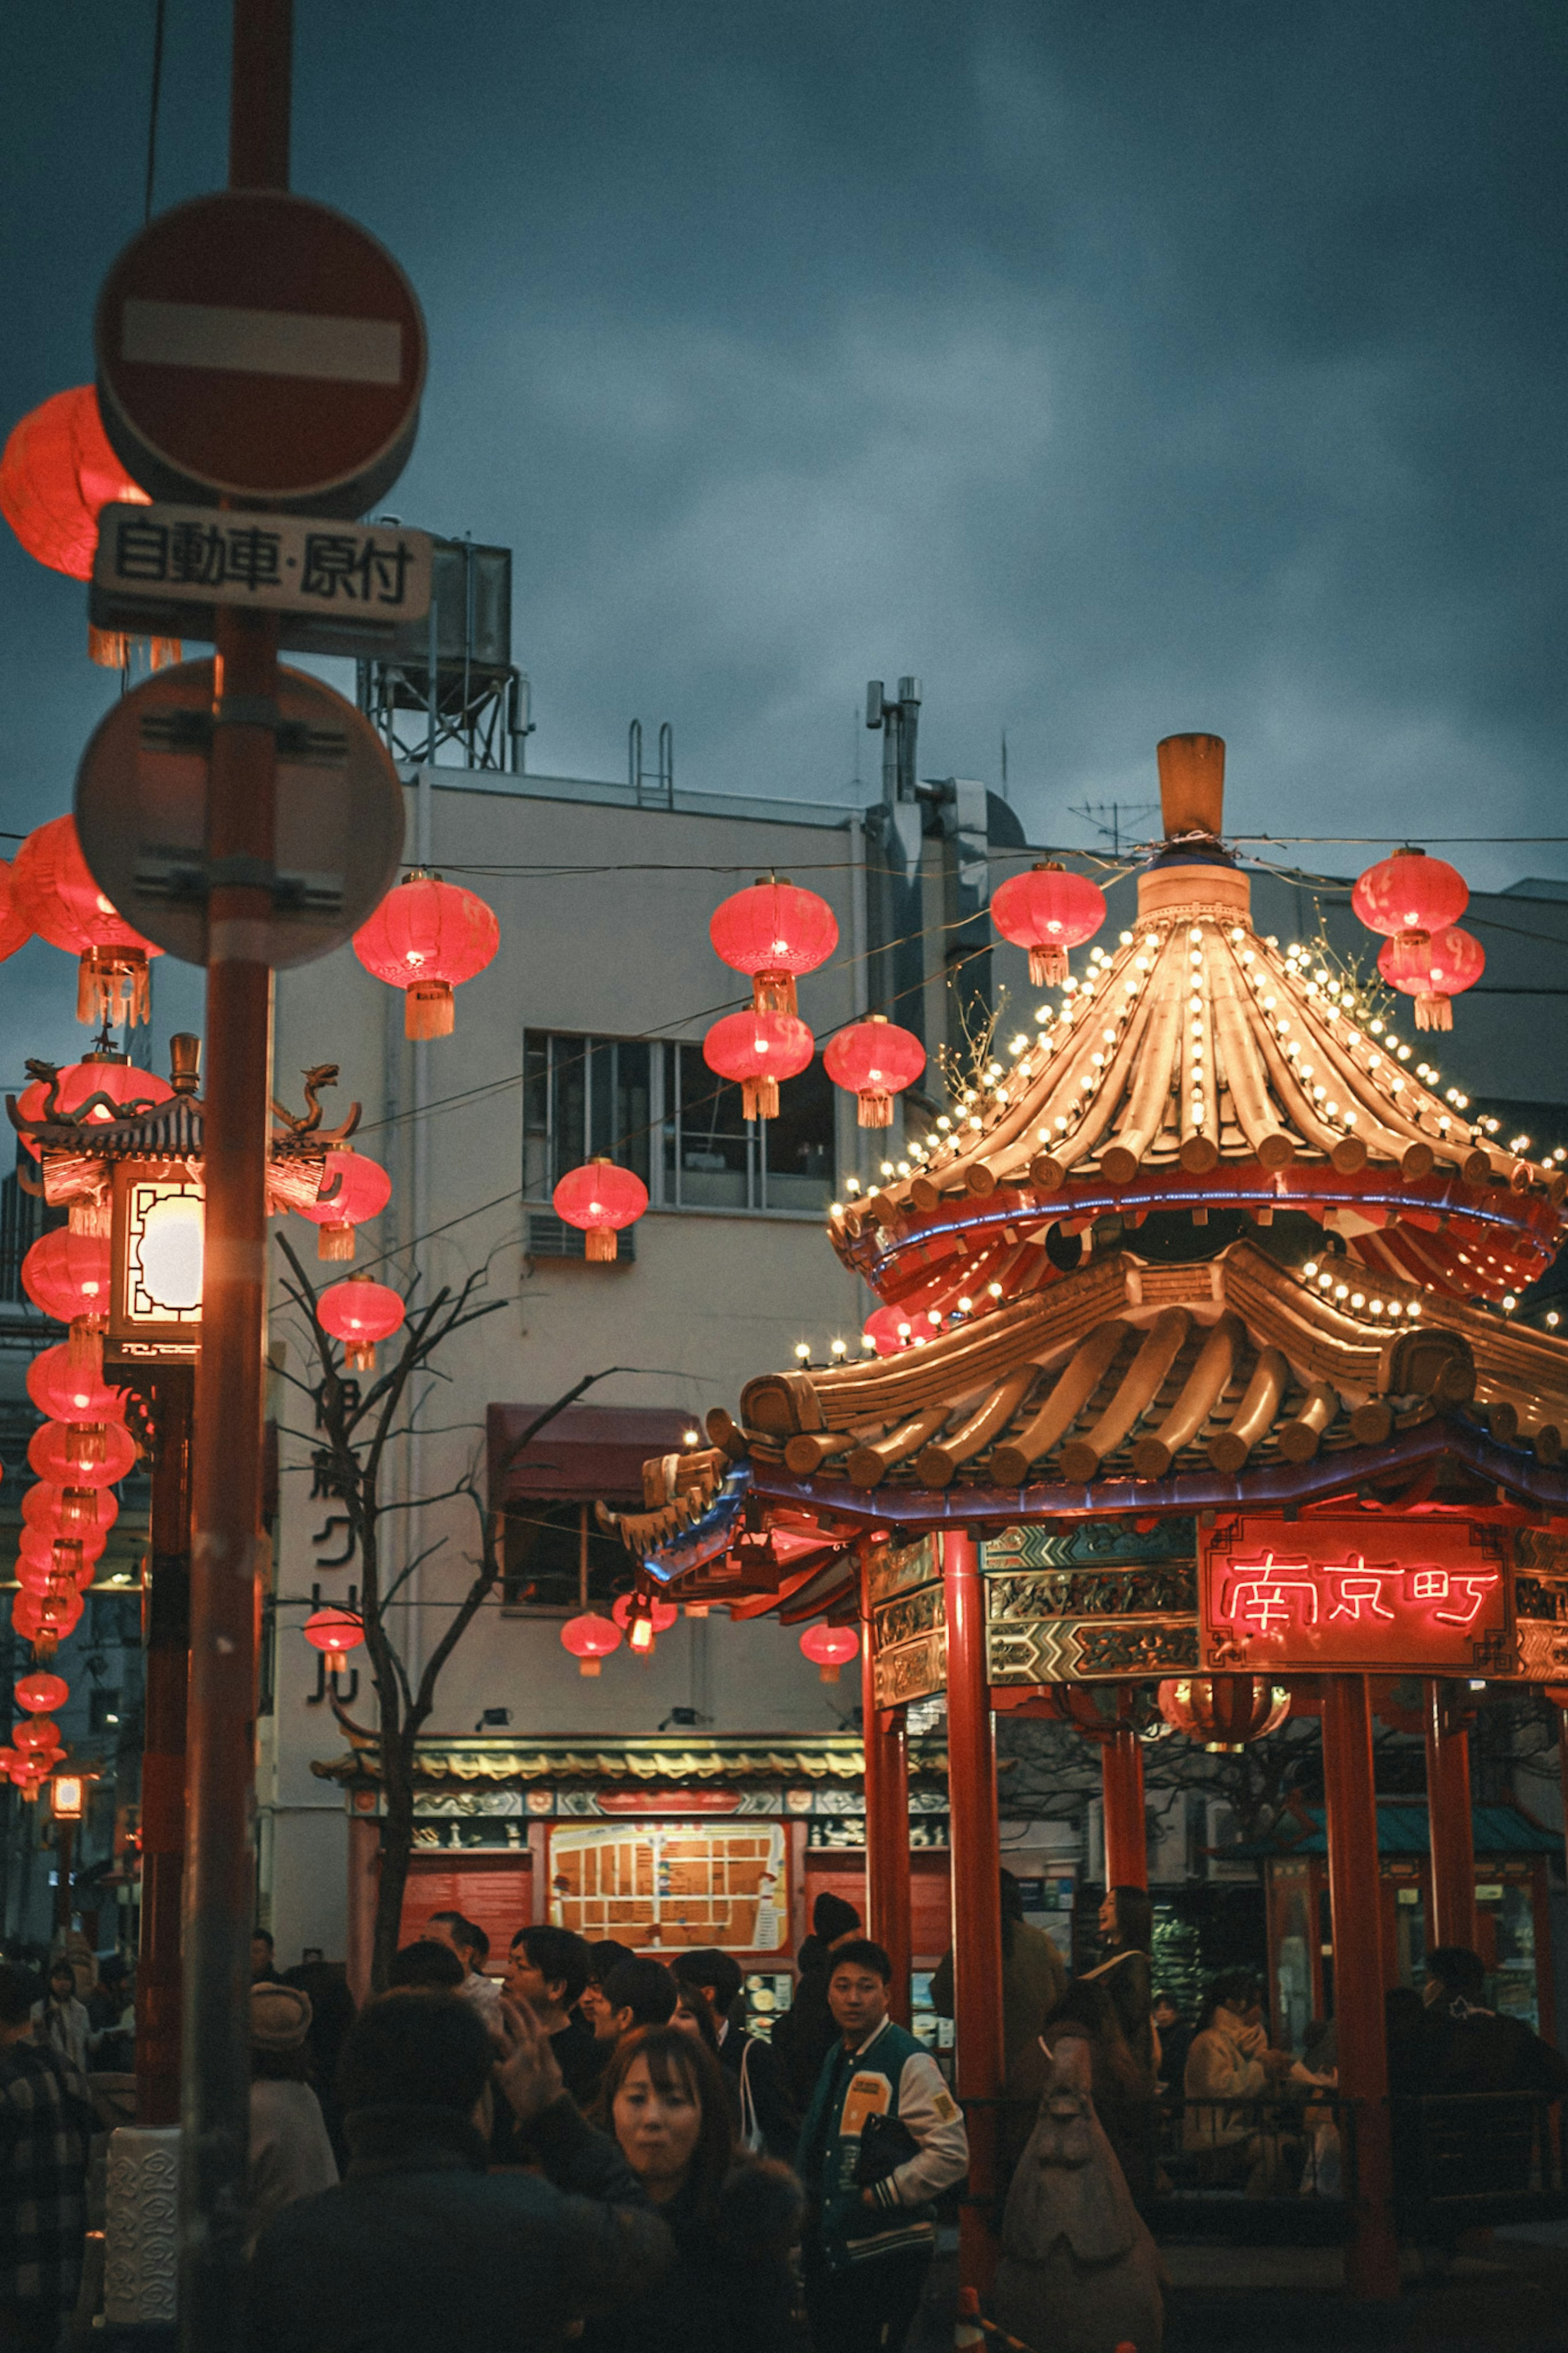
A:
x,y
661,1886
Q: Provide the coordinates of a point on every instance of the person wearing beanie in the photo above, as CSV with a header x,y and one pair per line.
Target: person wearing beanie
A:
x,y
805,2034
290,2154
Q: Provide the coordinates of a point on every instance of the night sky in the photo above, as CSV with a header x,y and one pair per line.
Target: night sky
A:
x,y
1119,368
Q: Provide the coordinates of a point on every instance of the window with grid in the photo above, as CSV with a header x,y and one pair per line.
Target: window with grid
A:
x,y
588,1096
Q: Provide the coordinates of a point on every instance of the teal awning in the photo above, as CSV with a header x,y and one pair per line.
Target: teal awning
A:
x,y
1403,1829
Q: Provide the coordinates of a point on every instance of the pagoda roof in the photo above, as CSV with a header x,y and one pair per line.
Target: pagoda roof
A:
x,y
824,1758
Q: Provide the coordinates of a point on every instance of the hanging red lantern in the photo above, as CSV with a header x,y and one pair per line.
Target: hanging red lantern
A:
x,y
830,1648
69,1511
773,932
15,928
45,1619
66,1275
53,1453
874,1059
66,1393
358,1189
360,1312
57,473
1224,1713
10,1762
70,1557
888,1329
1048,911
52,887
1410,893
37,1692
754,1051
40,1734
1434,968
335,1632
600,1199
590,1638
426,937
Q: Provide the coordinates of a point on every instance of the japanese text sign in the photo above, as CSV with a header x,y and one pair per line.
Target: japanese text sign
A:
x,y
1392,1596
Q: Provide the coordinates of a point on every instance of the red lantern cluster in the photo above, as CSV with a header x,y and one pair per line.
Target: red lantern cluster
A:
x,y
754,1051
874,1059
426,937
601,1199
1416,902
360,1312
335,1632
773,932
1048,911
1224,1713
829,1648
53,890
57,473
590,1639
354,1190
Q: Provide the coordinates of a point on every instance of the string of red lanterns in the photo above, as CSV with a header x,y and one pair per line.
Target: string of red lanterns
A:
x,y
1416,902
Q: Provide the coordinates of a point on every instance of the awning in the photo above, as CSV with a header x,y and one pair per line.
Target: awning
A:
x,y
587,1452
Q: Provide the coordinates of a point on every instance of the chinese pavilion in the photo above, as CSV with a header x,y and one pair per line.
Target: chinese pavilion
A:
x,y
1200,1373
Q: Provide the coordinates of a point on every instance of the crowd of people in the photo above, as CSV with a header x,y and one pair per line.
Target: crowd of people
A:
x,y
591,2145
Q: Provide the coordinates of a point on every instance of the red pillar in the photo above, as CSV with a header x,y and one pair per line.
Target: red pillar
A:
x,y
1126,1824
1371,2259
1448,1813
977,1894
886,1827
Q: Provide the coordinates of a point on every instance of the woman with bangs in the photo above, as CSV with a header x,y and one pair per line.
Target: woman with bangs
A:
x,y
734,2218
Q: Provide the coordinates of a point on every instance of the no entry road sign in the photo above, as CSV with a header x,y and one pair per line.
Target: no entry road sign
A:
x,y
254,345
141,815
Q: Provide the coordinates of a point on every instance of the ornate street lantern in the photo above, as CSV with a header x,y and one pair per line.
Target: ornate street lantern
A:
x,y
52,888
874,1059
601,1199
335,1632
829,1648
1048,911
68,1793
360,1312
426,937
1224,1713
754,1051
773,932
590,1639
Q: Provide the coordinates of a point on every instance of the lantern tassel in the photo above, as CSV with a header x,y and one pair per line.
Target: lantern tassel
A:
x,y
587,1666
429,1009
1434,1012
92,1213
774,992
759,1098
334,1241
601,1245
86,1443
110,649
1047,967
84,1347
360,1356
874,1109
828,1672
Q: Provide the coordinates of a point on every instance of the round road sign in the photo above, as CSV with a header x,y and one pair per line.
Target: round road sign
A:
x,y
254,345
141,814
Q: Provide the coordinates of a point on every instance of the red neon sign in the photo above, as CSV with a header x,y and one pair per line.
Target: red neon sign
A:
x,y
1387,1596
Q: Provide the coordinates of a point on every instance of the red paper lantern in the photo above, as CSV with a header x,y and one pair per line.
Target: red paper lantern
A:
x,y
1224,1713
590,1638
66,1275
883,1329
52,887
360,1312
125,1090
69,1511
57,473
335,1632
1410,893
38,1693
829,1648
1432,967
64,1557
66,1393
754,1051
358,1190
773,933
1048,911
426,937
44,1619
53,1453
874,1059
15,928
599,1200
10,1763
41,1735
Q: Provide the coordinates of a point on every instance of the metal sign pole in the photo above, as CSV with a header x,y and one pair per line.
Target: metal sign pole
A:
x,y
219,1888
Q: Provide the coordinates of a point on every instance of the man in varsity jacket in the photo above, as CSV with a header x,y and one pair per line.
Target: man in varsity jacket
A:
x,y
870,2233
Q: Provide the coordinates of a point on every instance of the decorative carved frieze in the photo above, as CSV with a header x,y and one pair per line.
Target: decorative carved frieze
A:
x,y
912,1670
900,1569
1091,1544
1057,1650
912,1614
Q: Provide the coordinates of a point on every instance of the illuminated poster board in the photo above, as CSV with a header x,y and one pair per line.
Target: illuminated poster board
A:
x,y
661,1886
1392,1596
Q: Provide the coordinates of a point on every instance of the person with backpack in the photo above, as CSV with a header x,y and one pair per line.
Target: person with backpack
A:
x,y
766,2118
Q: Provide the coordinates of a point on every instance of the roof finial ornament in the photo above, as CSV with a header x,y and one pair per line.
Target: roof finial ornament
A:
x,y
1192,784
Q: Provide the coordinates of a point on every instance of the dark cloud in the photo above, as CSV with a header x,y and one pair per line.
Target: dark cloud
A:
x,y
1118,367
